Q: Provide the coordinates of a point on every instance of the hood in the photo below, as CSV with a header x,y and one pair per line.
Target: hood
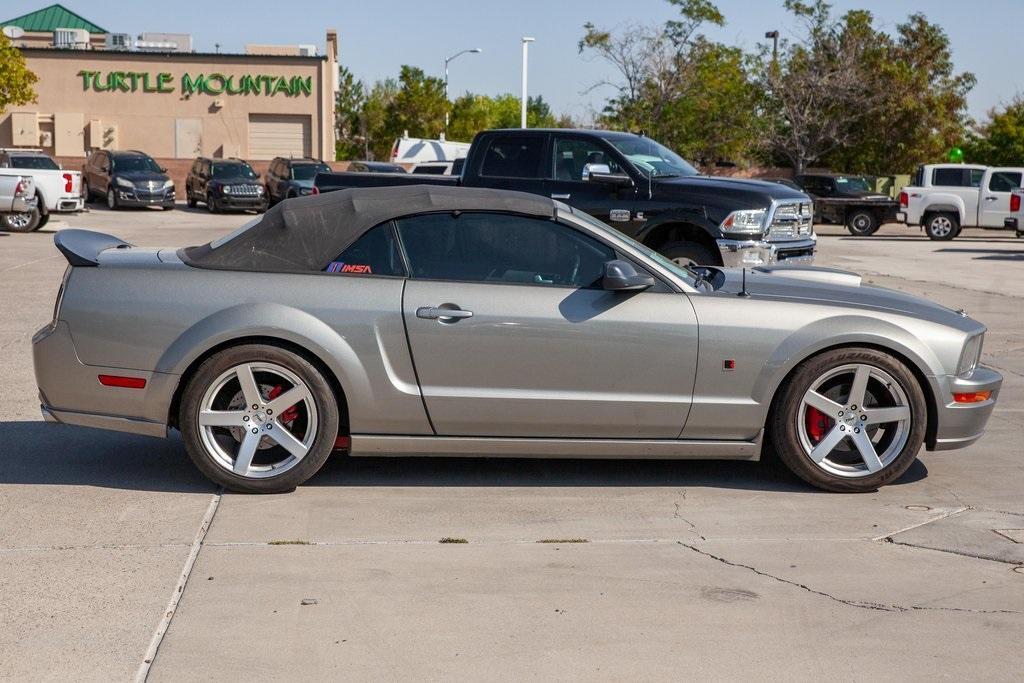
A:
x,y
734,192
840,287
141,176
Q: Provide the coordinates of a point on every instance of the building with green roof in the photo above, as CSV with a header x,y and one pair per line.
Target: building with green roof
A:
x,y
38,27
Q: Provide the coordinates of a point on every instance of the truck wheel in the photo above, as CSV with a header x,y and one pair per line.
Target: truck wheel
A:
x,y
688,254
862,223
26,221
942,226
43,220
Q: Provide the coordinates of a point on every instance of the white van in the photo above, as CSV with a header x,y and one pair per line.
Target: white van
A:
x,y
407,150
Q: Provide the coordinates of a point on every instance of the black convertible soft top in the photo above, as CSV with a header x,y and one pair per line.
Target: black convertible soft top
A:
x,y
306,233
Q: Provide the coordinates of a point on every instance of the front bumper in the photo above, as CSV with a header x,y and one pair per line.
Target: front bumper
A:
x,y
140,197
961,424
750,253
70,391
242,202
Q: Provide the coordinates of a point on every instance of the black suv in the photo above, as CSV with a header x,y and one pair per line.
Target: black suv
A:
x,y
224,185
129,178
292,177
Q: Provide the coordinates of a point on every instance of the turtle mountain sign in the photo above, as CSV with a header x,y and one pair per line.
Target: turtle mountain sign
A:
x,y
207,84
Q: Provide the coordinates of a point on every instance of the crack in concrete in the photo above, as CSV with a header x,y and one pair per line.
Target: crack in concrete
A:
x,y
693,527
888,537
859,604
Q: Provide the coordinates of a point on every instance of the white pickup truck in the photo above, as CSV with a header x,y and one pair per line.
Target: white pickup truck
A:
x,y
58,190
947,197
17,196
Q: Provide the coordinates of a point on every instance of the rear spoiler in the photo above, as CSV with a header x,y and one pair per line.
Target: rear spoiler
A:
x,y
83,247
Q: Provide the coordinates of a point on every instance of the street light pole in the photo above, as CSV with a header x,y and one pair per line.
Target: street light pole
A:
x,y
446,61
522,104
774,35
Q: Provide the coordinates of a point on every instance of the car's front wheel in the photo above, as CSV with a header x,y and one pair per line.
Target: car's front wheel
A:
x,y
258,419
849,420
111,199
687,254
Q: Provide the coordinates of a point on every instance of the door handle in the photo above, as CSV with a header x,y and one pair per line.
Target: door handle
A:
x,y
442,314
560,196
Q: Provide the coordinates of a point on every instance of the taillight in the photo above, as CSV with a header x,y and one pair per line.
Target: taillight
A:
x,y
394,151
315,190
904,200
1015,202
19,189
67,182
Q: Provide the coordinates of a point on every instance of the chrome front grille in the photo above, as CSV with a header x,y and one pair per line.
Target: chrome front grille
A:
x,y
245,190
792,221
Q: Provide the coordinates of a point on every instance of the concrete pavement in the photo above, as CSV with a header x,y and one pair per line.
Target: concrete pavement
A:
x,y
688,569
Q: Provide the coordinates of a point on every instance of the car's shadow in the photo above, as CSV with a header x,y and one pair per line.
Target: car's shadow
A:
x,y
40,453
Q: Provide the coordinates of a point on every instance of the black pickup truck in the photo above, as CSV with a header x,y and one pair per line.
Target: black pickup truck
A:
x,y
637,185
848,200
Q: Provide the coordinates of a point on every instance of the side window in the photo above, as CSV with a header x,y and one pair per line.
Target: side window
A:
x,y
517,156
571,156
375,253
1004,181
493,247
949,177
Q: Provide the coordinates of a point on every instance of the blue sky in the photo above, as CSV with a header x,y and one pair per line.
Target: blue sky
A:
x,y
377,37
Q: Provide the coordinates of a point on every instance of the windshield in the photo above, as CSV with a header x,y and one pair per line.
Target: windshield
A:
x,y
613,234
650,158
308,171
233,170
134,163
851,185
35,161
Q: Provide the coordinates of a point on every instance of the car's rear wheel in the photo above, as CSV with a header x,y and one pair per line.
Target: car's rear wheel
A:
x,y
111,199
942,226
850,420
258,419
26,221
862,223
687,254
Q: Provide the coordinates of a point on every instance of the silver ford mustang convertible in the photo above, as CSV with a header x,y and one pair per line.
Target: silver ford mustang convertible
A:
x,y
457,322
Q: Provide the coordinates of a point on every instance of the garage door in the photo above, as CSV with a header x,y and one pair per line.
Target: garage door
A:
x,y
278,135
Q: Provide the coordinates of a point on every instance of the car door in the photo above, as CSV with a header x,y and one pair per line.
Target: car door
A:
x,y
273,180
512,335
515,161
995,197
571,156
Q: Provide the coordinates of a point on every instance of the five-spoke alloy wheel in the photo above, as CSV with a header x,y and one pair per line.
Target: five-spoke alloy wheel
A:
x,y
850,420
258,419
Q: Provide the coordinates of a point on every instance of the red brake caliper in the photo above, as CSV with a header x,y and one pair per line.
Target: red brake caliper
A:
x,y
291,413
817,423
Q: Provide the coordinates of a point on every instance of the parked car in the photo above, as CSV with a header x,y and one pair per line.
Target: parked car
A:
x,y
408,150
440,167
944,198
128,178
17,198
292,177
848,200
57,190
224,185
535,330
374,167
639,186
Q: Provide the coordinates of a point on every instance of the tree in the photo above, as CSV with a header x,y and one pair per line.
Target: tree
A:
x,y
16,80
693,94
473,113
350,132
819,90
1000,140
418,107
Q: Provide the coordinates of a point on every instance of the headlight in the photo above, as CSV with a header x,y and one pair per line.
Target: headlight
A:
x,y
970,355
123,182
305,190
169,185
259,189
226,189
750,221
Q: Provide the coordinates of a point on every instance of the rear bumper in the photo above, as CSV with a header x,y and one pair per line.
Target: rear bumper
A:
x,y
70,391
69,205
750,253
961,424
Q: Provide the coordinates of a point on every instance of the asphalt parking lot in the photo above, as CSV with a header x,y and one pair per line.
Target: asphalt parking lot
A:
x,y
680,569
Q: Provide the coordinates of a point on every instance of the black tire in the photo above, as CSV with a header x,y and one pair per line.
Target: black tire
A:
x,y
189,200
168,208
942,226
43,220
862,222
691,252
87,192
26,221
786,420
112,199
211,204
323,398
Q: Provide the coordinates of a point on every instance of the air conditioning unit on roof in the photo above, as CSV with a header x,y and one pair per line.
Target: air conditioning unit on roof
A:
x,y
71,38
119,41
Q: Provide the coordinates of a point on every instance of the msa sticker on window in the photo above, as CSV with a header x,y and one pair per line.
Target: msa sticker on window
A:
x,y
356,268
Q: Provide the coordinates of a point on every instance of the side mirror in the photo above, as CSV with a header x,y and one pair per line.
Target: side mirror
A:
x,y
601,173
622,276
162,169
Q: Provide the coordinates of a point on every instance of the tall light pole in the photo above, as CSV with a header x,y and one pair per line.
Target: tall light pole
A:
x,y
774,35
461,52
522,104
